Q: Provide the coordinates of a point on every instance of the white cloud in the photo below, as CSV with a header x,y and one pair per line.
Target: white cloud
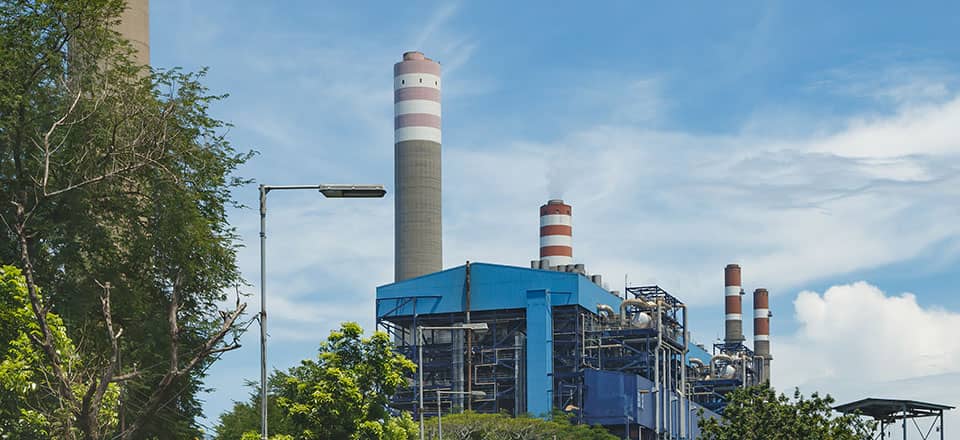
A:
x,y
857,332
855,341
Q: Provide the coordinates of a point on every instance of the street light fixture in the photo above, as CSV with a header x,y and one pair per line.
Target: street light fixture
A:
x,y
329,191
479,326
439,408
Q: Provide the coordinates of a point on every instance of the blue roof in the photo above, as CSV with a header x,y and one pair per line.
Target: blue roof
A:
x,y
492,287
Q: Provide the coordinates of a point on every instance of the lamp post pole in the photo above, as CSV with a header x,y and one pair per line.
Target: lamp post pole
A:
x,y
329,191
263,311
481,326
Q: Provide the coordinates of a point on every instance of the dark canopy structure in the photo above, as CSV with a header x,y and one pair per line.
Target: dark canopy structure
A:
x,y
889,411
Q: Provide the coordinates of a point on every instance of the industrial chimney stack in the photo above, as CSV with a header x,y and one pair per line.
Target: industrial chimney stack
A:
x,y
734,307
761,331
134,26
556,234
416,104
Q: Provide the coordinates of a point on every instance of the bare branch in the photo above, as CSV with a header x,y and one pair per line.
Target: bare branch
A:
x,y
46,340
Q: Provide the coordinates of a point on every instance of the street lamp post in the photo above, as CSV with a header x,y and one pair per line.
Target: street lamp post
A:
x,y
481,326
439,408
329,191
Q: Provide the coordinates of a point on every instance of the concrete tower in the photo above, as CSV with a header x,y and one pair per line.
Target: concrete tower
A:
x,y
761,331
416,104
556,233
135,26
733,308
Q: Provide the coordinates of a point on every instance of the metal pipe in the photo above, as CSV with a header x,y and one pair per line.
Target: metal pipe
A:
x,y
633,302
469,334
606,312
656,374
420,373
683,375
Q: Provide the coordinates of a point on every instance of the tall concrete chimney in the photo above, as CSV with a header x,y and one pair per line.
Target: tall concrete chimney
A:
x,y
556,233
135,26
761,331
733,307
416,136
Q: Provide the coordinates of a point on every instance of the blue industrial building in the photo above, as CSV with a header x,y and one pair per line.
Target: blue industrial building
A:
x,y
556,339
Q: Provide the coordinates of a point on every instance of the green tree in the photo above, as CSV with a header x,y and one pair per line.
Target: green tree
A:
x,y
343,394
758,413
244,417
23,373
473,426
114,179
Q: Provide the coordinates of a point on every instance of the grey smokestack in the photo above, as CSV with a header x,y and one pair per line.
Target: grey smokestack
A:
x,y
416,98
134,26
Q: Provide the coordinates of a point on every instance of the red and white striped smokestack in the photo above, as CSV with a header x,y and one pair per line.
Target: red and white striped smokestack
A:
x,y
733,309
761,330
556,233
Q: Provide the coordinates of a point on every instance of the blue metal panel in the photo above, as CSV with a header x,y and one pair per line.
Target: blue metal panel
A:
x,y
493,287
539,353
614,398
610,398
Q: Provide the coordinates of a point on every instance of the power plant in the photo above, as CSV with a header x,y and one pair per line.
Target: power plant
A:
x,y
531,340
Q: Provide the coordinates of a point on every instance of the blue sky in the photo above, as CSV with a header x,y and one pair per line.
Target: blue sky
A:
x,y
815,143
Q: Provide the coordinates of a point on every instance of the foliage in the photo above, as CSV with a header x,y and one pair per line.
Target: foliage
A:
x,y
473,426
758,413
114,177
343,394
244,418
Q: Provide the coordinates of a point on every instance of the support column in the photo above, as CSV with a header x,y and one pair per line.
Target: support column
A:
x,y
539,353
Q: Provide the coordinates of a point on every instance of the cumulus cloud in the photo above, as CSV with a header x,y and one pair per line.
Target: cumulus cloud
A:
x,y
857,332
856,341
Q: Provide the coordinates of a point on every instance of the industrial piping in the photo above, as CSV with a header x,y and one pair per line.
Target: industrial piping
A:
x,y
417,140
733,318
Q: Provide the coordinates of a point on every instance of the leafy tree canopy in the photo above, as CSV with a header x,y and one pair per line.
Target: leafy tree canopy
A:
x,y
114,179
342,394
758,413
473,426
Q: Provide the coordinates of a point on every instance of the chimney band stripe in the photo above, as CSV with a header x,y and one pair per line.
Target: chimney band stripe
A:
x,y
563,251
556,230
416,133
761,313
416,80
733,317
416,66
409,93
416,106
416,120
555,219
555,240
761,338
761,327
732,304
732,291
